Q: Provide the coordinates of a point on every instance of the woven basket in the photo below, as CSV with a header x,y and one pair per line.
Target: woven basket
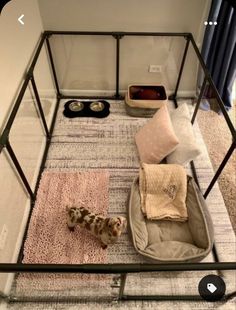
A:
x,y
144,100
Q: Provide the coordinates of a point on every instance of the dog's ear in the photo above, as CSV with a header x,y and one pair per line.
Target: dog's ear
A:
x,y
69,209
124,223
107,222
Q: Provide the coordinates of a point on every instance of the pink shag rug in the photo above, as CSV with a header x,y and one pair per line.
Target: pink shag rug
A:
x,y
49,241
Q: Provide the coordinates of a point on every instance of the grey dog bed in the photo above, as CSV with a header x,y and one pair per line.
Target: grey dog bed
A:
x,y
169,241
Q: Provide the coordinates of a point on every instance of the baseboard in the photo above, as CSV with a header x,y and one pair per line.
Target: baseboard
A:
x,y
38,165
50,94
3,305
92,92
18,245
89,92
19,240
186,94
43,94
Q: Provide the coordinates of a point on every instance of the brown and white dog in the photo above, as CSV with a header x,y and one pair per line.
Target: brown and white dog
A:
x,y
107,229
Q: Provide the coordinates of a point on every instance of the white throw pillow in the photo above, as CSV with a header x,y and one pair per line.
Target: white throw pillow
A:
x,y
187,148
157,138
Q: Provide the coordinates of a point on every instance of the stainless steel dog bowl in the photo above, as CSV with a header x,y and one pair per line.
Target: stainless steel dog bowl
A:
x,y
76,106
97,106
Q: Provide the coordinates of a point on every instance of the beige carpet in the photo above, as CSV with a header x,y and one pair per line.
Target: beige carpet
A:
x,y
218,140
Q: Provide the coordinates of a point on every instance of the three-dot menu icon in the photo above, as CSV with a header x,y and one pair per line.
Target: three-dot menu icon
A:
x,y
210,23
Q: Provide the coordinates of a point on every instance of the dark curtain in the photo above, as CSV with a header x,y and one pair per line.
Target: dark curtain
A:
x,y
218,50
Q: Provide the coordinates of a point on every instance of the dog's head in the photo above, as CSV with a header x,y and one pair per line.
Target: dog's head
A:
x,y
116,225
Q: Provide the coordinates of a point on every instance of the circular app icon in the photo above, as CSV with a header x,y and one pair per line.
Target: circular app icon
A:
x,y
211,288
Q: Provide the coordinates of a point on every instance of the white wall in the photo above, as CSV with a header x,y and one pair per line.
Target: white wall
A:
x,y
123,15
82,65
17,46
18,43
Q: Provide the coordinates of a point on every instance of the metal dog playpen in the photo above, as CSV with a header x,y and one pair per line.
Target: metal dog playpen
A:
x,y
121,269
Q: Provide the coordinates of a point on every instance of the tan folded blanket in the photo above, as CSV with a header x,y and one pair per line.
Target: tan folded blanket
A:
x,y
163,190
